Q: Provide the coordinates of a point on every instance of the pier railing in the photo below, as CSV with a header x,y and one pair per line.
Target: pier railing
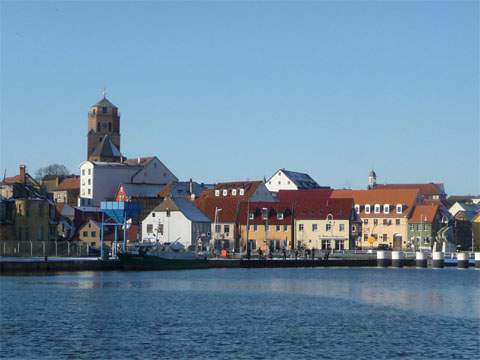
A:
x,y
45,248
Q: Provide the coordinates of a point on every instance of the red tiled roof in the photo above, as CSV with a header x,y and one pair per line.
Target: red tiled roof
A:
x,y
249,187
70,183
273,208
340,209
12,179
295,196
424,213
390,197
207,202
428,189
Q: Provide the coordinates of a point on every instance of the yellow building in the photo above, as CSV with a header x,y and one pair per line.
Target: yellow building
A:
x,y
266,225
328,224
35,220
384,215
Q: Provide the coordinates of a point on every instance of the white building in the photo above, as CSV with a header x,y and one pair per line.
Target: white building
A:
x,y
177,219
99,180
290,180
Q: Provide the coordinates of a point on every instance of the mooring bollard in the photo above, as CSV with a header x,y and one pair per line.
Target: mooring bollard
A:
x,y
397,258
477,260
420,259
383,258
438,260
462,260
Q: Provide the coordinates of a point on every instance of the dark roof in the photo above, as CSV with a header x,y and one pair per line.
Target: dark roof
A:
x,y
181,189
106,149
301,180
105,103
295,196
141,161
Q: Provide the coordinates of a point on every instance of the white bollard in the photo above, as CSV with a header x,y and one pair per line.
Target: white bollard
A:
x,y
438,259
420,259
383,258
462,260
397,258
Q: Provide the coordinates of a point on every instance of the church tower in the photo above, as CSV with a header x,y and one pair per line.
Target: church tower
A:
x,y
104,132
372,179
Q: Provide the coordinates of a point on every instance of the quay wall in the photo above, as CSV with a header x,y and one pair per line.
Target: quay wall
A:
x,y
11,267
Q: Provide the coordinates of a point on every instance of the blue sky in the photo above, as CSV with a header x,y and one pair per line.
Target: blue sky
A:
x,y
230,91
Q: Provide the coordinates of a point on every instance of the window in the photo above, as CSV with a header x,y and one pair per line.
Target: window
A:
x,y
354,228
83,171
89,182
255,227
385,222
367,209
397,221
399,208
365,221
160,229
384,238
357,209
225,192
217,192
328,227
314,227
89,171
153,214
411,227
285,227
242,192
168,212
149,228
277,227
92,243
267,227
89,191
251,215
300,227
226,229
377,209
104,110
85,233
93,234
218,228
280,215
386,209
375,221
234,192
341,227
264,213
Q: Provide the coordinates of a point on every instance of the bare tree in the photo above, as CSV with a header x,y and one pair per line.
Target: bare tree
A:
x,y
53,169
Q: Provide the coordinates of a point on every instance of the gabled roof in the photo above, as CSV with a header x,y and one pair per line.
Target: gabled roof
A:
x,y
70,183
295,196
301,180
106,149
140,161
319,209
424,213
208,202
181,189
185,206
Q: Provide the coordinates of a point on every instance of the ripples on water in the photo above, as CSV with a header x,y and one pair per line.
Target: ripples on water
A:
x,y
243,314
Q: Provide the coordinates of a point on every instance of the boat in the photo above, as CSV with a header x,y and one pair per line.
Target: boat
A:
x,y
167,256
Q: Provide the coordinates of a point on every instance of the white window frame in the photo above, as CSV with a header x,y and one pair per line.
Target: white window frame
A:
x,y
217,192
367,209
234,192
357,208
386,209
242,192
280,215
251,215
225,192
376,209
399,206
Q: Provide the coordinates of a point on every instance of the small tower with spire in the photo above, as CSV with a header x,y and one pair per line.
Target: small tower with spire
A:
x,y
372,179
103,131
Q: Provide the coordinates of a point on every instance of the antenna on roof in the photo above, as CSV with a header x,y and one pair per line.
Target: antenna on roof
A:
x,y
4,174
104,92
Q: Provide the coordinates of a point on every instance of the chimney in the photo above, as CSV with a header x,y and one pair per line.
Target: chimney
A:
x,y
190,186
23,171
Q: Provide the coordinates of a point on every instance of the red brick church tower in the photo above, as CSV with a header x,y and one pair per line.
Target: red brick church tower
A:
x,y
104,132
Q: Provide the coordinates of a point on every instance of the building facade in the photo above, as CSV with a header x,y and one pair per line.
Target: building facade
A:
x,y
290,180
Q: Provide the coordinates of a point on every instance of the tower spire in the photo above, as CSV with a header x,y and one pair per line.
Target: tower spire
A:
x,y
104,92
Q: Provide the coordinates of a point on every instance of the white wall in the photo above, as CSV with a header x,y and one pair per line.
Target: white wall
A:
x,y
174,226
155,173
280,181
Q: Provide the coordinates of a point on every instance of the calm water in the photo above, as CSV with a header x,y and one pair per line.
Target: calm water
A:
x,y
243,314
